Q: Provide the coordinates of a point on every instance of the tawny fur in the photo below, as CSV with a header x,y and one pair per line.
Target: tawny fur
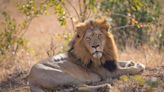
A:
x,y
61,70
110,50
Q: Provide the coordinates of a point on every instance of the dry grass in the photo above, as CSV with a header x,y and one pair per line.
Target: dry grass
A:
x,y
13,72
22,61
151,57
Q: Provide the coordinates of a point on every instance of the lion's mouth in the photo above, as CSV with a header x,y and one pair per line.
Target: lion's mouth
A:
x,y
97,54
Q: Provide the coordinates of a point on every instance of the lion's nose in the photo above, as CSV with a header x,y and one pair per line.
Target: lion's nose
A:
x,y
95,46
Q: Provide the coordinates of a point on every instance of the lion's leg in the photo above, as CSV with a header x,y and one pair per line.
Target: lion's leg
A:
x,y
35,88
128,68
98,88
125,63
47,77
124,68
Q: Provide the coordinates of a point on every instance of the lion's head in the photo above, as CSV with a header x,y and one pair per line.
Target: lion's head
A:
x,y
94,44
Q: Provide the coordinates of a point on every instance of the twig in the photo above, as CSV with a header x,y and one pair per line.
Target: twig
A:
x,y
26,28
85,10
89,14
121,27
74,9
80,9
70,16
122,15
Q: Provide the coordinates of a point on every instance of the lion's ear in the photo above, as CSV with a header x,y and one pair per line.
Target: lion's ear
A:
x,y
103,23
80,28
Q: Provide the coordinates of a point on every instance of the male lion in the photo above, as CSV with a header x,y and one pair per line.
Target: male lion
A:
x,y
91,59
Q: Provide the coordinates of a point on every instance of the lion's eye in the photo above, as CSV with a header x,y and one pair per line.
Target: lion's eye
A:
x,y
78,36
100,36
88,39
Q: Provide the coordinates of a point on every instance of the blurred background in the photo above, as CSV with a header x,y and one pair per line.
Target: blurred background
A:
x,y
32,30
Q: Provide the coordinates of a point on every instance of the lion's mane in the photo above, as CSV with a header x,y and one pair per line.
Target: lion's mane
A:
x,y
109,57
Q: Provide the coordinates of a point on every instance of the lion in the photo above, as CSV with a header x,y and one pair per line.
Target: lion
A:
x,y
92,58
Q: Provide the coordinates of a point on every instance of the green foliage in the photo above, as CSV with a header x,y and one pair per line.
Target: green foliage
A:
x,y
141,10
139,79
162,37
29,9
59,10
138,83
10,39
161,45
136,15
124,78
92,5
32,9
153,82
131,19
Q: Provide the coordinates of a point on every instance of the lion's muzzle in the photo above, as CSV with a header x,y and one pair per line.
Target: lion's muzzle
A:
x,y
97,54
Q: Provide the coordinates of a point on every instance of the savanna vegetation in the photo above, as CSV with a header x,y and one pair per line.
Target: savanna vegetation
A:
x,y
26,37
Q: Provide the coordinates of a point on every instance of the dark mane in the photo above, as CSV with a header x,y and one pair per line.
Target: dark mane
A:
x,y
78,50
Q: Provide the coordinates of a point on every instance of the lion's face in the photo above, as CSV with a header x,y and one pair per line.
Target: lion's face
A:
x,y
91,37
94,41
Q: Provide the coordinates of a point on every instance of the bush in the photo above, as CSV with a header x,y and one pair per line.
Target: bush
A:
x,y
10,37
133,20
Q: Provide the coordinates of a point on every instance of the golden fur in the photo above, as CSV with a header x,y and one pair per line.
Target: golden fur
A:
x,y
60,70
110,49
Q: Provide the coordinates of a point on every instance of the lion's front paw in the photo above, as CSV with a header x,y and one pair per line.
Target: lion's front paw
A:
x,y
140,66
137,68
132,67
104,88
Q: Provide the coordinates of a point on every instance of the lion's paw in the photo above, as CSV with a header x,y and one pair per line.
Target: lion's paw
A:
x,y
140,66
130,64
132,67
104,88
